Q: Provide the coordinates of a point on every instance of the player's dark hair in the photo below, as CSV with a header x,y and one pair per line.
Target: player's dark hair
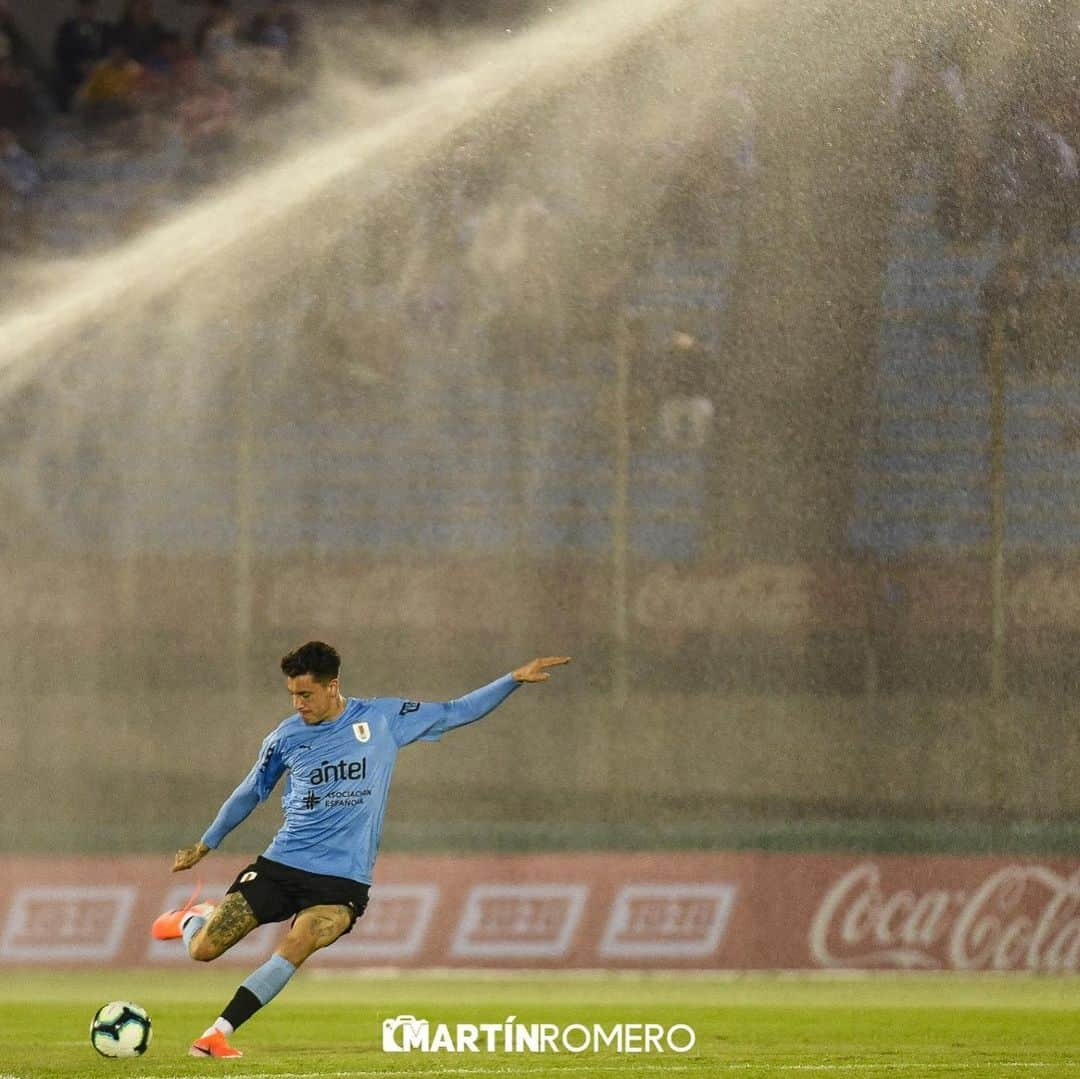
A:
x,y
319,660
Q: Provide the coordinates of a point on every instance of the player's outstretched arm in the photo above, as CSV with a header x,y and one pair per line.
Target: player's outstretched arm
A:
x,y
415,720
186,857
536,669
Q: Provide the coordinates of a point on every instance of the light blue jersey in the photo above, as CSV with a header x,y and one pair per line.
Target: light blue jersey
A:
x,y
339,777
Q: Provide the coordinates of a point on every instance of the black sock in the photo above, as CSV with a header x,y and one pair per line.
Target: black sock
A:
x,y
242,1007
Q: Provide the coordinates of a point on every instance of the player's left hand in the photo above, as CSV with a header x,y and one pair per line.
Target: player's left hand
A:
x,y
536,669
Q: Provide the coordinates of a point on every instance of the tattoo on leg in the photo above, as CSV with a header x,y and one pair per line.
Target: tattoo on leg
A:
x,y
231,922
326,924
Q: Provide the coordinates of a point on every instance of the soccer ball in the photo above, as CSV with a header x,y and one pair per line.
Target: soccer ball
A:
x,y
120,1029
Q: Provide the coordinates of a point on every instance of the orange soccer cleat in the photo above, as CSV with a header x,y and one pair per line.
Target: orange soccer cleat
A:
x,y
213,1045
167,926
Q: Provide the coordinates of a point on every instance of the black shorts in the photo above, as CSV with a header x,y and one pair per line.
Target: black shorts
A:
x,y
276,892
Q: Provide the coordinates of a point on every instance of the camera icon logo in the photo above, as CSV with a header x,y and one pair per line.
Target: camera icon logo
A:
x,y
404,1033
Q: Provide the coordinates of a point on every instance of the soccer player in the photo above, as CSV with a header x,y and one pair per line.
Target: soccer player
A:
x,y
339,753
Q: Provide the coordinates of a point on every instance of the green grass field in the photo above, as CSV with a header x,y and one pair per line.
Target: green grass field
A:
x,y
755,1025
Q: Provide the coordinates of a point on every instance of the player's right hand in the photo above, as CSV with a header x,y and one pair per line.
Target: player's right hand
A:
x,y
536,669
186,857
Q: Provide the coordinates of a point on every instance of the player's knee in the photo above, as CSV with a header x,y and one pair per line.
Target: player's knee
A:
x,y
296,951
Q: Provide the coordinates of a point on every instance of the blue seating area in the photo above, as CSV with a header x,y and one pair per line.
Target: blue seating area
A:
x,y
453,458
686,288
93,196
444,478
923,477
449,478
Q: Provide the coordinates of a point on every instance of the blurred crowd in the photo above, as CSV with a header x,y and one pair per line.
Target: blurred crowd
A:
x,y
1004,154
133,83
1002,130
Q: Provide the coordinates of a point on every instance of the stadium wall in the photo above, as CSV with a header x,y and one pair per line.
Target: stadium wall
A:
x,y
726,717
665,765
689,911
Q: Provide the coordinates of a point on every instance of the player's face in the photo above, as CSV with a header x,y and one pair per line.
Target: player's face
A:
x,y
315,701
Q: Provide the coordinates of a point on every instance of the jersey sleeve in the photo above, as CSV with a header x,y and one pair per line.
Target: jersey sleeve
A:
x,y
412,721
253,789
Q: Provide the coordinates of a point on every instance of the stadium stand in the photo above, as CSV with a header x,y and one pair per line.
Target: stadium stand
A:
x,y
533,465
922,482
474,463
94,196
388,492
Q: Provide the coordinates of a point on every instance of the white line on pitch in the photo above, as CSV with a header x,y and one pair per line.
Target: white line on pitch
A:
x,y
390,1071
898,1066
638,1065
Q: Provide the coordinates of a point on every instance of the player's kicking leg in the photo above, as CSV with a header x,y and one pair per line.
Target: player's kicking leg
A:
x,y
312,929
208,932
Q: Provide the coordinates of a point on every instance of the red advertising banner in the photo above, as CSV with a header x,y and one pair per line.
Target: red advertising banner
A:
x,y
695,910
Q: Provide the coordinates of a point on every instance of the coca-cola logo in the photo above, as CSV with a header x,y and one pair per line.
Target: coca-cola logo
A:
x,y
1018,918
758,595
